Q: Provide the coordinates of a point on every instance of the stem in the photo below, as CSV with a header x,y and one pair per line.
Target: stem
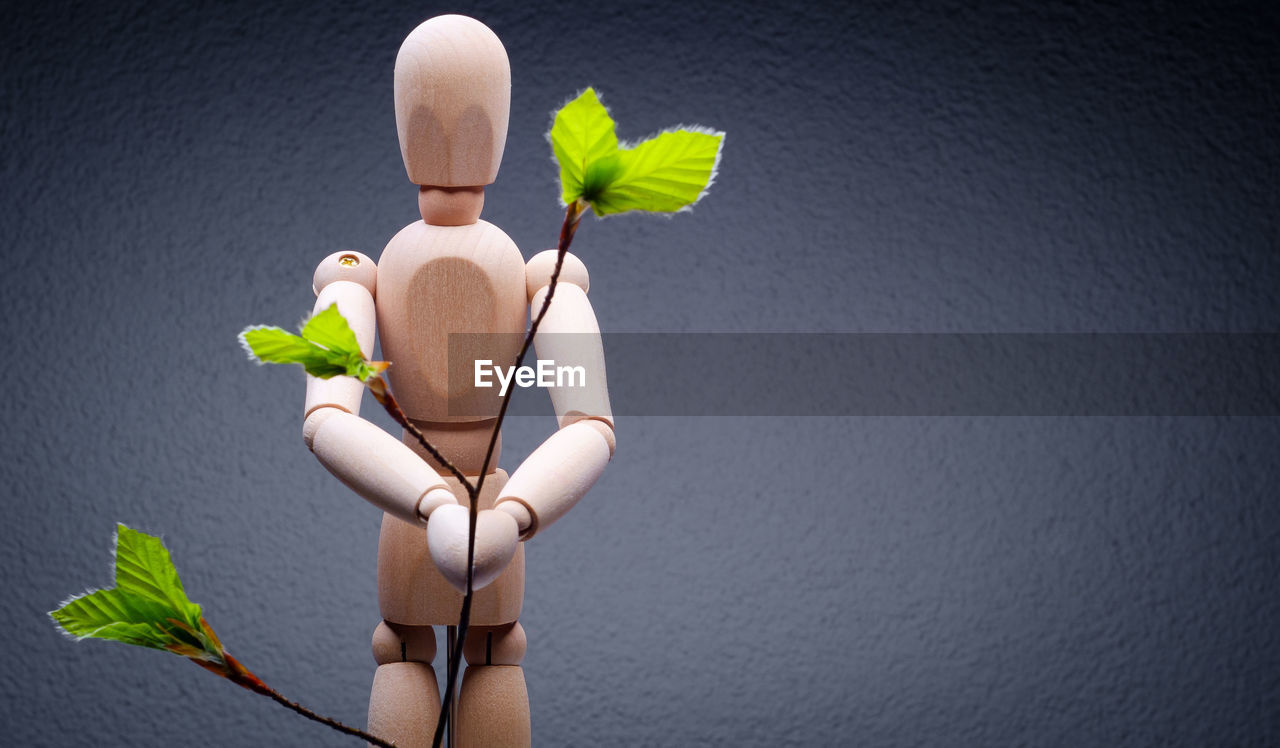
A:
x,y
237,674
378,386
333,723
572,215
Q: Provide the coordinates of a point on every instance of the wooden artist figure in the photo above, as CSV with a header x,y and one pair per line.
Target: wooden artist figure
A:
x,y
452,272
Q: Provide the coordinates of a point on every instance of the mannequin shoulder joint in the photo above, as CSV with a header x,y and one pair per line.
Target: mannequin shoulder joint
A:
x,y
347,265
539,269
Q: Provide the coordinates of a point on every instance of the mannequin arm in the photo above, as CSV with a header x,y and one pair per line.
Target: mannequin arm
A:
x,y
563,469
367,459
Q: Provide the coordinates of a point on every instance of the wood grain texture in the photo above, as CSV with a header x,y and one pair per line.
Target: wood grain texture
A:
x,y
496,645
371,462
411,590
355,303
396,642
448,540
569,336
346,265
540,267
493,708
453,99
436,280
462,443
404,704
450,206
558,474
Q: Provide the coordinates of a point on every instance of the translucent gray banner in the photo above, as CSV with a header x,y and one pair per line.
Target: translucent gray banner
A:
x,y
888,374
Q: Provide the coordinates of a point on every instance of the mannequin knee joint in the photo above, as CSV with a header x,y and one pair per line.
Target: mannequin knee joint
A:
x,y
399,643
495,645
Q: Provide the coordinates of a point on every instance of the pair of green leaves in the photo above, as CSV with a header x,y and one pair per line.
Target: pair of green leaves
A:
x,y
147,608
326,348
664,174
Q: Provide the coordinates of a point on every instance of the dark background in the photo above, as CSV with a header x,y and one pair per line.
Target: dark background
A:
x,y
172,173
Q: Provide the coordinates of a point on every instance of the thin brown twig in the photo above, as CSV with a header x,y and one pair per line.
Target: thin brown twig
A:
x,y
239,675
378,386
333,723
572,215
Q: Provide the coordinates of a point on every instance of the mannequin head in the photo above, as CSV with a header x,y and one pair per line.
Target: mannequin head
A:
x,y
453,98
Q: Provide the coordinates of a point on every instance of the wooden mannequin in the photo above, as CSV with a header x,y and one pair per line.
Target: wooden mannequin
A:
x,y
452,272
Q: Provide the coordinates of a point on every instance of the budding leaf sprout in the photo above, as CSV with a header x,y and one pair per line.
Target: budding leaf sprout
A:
x,y
148,607
326,348
663,174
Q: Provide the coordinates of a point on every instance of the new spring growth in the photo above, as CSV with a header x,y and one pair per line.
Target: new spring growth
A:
x,y
326,348
148,607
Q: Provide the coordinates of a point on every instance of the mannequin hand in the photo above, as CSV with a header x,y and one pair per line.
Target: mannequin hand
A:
x,y
496,537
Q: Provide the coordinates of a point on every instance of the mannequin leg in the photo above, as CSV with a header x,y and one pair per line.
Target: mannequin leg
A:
x,y
405,702
493,704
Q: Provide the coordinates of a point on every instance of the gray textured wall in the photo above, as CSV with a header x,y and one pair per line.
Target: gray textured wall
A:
x,y
171,174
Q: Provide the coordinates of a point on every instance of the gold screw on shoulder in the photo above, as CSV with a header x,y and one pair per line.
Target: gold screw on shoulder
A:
x,y
349,261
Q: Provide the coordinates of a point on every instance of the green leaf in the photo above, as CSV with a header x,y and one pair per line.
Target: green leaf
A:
x,y
664,174
330,330
271,345
582,138
327,347
144,569
148,607
116,615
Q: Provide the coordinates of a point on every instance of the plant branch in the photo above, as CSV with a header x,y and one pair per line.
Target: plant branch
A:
x,y
378,386
238,674
572,215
